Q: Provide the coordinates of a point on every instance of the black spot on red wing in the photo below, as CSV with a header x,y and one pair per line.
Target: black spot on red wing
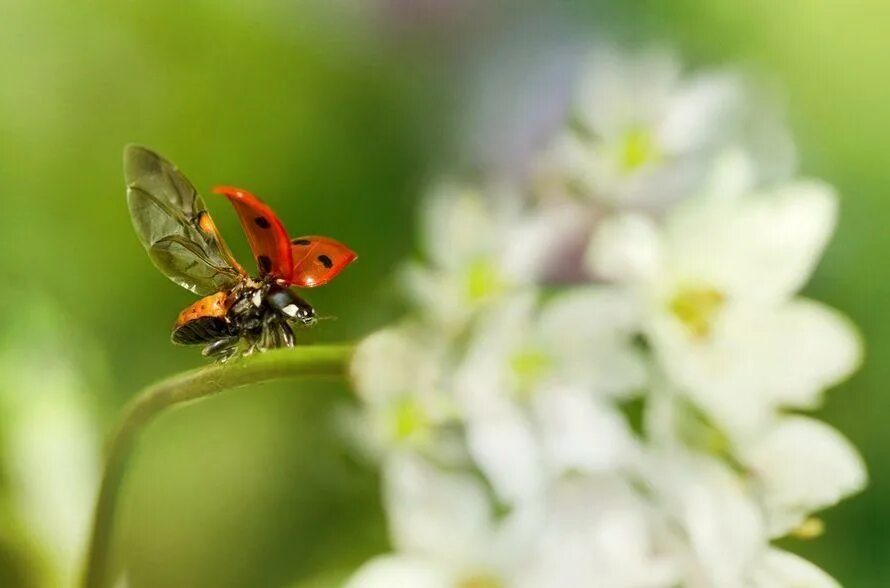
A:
x,y
301,241
264,263
262,222
326,261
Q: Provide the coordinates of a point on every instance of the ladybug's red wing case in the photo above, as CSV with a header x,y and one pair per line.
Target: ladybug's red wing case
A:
x,y
174,226
317,260
266,234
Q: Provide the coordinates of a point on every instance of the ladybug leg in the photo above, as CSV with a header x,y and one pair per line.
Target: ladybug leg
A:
x,y
253,336
280,333
287,334
253,343
275,333
222,349
268,335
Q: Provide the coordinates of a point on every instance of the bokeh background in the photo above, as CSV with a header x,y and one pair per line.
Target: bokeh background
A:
x,y
338,113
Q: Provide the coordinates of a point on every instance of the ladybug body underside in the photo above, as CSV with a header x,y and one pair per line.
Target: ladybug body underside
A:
x,y
251,317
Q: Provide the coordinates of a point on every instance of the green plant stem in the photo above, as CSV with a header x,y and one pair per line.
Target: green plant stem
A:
x,y
301,362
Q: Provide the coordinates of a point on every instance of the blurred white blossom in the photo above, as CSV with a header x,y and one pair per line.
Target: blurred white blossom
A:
x,y
632,430
479,247
398,375
447,534
535,386
644,133
50,448
716,281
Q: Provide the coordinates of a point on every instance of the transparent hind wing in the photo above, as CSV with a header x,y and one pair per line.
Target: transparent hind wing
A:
x,y
173,225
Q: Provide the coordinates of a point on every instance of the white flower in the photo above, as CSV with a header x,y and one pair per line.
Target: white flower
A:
x,y
598,531
717,281
443,528
502,411
720,535
794,467
536,392
588,531
579,339
480,247
644,134
434,514
400,374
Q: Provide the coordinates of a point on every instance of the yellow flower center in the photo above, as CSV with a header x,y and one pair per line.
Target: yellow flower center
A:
x,y
408,419
480,581
482,280
811,528
637,148
697,308
529,365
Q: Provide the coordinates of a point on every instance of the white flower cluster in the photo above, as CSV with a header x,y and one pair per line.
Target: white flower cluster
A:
x,y
642,427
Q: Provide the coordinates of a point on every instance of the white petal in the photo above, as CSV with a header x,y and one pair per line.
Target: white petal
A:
x,y
598,313
437,294
722,524
483,381
504,446
701,112
626,248
391,363
588,333
757,360
392,571
720,375
659,186
760,248
514,541
581,434
812,347
499,435
780,569
733,176
802,465
547,245
457,225
597,532
620,91
434,514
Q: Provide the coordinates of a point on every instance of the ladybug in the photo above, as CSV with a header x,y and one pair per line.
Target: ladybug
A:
x,y
238,313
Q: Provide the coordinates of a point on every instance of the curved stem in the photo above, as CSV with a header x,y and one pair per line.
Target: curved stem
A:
x,y
310,361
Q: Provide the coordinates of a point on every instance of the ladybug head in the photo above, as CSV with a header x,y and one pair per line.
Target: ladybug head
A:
x,y
291,306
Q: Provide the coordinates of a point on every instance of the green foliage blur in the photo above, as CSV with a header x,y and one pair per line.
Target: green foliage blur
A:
x,y
337,114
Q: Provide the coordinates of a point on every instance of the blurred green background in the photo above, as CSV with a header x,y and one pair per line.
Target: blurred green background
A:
x,y
338,113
